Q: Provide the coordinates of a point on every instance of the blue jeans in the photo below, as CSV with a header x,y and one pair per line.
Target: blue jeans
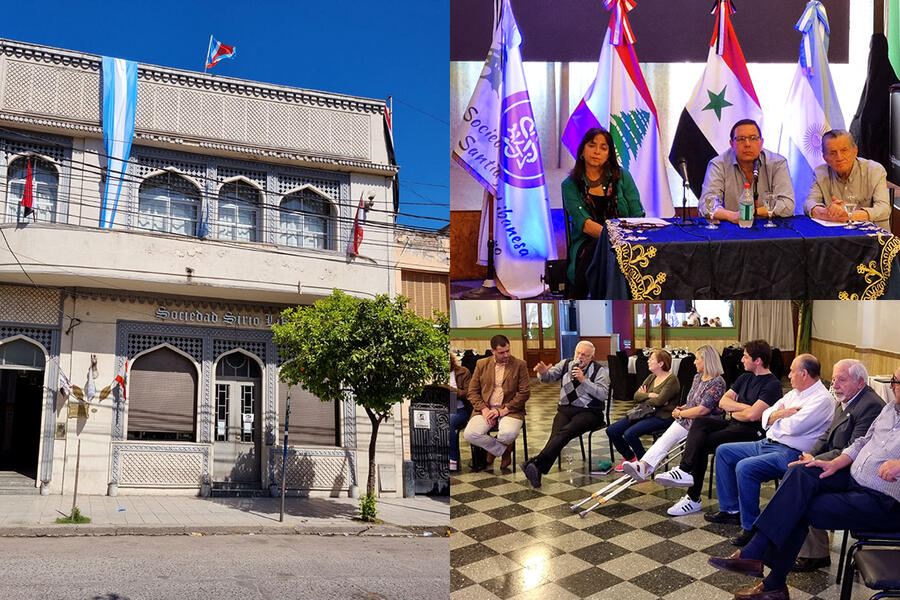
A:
x,y
458,421
741,467
626,436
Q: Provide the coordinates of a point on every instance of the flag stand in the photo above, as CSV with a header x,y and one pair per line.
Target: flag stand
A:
x,y
488,290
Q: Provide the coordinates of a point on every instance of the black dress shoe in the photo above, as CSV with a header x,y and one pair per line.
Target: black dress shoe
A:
x,y
758,592
742,539
804,565
532,473
723,517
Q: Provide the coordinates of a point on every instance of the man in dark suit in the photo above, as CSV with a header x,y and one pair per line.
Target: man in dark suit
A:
x,y
858,406
498,390
858,489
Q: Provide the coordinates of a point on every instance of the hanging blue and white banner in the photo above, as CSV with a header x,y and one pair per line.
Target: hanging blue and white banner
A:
x,y
119,106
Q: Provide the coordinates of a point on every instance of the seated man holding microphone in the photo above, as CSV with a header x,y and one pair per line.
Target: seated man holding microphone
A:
x,y
847,182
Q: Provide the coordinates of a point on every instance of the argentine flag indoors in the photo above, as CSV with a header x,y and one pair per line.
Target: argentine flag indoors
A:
x,y
812,106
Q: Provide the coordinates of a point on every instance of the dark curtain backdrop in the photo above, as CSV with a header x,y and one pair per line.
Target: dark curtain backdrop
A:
x,y
665,31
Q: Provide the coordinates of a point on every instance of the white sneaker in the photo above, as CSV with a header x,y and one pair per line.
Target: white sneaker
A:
x,y
638,470
675,478
685,506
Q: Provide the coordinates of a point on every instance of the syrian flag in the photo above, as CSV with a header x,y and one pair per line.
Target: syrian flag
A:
x,y
723,96
618,100
498,144
812,106
28,195
217,51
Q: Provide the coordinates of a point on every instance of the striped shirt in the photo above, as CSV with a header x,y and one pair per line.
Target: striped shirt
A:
x,y
880,444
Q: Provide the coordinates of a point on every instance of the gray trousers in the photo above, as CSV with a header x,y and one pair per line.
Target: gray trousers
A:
x,y
817,544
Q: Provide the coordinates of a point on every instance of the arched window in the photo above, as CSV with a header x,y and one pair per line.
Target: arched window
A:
x,y
162,397
306,220
238,212
44,186
168,203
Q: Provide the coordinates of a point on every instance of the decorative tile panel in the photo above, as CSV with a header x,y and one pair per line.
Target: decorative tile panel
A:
x,y
163,465
29,305
314,469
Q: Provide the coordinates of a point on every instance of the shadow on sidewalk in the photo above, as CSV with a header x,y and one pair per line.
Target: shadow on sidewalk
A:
x,y
312,508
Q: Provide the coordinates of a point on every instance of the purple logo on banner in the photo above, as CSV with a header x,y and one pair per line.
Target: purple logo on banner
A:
x,y
521,157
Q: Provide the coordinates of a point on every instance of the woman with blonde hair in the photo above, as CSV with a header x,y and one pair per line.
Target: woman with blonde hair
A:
x,y
702,400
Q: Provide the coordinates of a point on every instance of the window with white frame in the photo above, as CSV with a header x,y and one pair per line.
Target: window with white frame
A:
x,y
306,220
168,203
238,212
44,189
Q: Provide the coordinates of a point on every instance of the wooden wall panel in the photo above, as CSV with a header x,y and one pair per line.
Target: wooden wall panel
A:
x,y
877,362
464,245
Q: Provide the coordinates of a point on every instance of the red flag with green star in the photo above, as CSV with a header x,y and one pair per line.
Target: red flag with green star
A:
x,y
723,96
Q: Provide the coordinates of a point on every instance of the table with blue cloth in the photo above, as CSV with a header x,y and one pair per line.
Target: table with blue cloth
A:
x,y
798,259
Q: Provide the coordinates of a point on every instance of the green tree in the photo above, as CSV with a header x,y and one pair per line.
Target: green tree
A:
x,y
376,350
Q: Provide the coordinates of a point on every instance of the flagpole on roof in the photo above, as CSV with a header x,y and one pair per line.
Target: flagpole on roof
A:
x,y
206,58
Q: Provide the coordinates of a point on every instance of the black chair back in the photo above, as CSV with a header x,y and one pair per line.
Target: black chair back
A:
x,y
776,365
617,381
641,370
686,371
731,364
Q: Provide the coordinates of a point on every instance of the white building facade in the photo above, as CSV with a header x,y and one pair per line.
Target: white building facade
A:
x,y
239,200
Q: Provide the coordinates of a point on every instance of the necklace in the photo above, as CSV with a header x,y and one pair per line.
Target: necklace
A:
x,y
592,183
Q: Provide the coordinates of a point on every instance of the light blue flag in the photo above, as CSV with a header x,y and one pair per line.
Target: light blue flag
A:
x,y
119,106
812,106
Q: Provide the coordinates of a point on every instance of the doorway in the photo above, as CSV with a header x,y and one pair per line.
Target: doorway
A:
x,y
21,401
237,425
539,332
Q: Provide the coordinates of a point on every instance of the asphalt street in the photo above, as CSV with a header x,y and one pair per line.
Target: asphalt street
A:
x,y
245,567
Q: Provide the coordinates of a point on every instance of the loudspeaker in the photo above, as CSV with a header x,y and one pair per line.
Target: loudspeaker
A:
x,y
555,276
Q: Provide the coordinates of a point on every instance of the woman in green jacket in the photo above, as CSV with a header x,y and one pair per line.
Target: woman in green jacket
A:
x,y
597,189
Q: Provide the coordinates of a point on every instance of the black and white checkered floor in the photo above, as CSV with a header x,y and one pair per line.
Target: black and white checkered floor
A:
x,y
511,541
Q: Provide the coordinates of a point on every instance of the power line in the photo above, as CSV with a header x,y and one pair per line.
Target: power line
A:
x,y
126,177
424,112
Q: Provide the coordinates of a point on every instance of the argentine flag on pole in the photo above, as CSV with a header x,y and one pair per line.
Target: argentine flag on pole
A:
x,y
119,106
723,96
812,106
498,144
618,100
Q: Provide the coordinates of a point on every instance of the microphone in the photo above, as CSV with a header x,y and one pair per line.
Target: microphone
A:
x,y
755,180
682,170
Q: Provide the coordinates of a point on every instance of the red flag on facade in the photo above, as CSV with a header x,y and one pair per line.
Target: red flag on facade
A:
x,y
28,196
357,228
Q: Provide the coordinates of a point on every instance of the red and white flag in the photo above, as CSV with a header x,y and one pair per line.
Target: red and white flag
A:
x,y
358,223
28,195
619,101
122,381
723,96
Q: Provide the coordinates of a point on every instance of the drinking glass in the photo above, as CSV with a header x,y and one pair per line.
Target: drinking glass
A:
x,y
770,198
712,204
850,206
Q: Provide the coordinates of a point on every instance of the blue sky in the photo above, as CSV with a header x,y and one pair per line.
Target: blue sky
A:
x,y
371,49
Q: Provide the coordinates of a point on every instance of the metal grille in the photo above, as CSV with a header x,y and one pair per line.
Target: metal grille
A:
x,y
149,164
221,347
193,347
221,412
330,187
223,173
430,445
29,305
42,336
56,152
248,407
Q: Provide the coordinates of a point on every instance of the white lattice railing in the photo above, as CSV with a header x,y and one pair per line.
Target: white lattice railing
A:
x,y
142,464
313,469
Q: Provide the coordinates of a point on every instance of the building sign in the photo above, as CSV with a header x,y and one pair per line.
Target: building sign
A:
x,y
422,419
212,317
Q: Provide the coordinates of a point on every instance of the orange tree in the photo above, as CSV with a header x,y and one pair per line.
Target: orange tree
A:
x,y
378,351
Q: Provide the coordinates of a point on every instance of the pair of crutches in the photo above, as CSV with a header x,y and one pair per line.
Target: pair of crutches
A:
x,y
621,484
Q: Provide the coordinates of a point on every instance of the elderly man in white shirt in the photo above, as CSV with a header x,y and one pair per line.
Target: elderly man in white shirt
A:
x,y
793,424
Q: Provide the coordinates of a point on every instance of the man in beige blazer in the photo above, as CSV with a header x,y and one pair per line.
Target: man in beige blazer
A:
x,y
498,390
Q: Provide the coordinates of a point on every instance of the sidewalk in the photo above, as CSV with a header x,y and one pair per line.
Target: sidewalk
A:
x,y
183,515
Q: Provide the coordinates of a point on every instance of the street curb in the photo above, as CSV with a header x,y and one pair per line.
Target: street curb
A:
x,y
330,529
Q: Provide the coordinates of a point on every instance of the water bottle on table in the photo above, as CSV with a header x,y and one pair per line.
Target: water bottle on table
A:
x,y
745,214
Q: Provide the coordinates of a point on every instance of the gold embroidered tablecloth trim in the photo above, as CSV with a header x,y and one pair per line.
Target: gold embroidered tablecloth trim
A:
x,y
876,275
632,258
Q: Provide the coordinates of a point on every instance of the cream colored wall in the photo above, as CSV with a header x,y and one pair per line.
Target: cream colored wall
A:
x,y
692,344
97,334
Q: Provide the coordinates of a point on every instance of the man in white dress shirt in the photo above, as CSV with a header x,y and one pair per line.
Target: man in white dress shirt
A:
x,y
792,425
